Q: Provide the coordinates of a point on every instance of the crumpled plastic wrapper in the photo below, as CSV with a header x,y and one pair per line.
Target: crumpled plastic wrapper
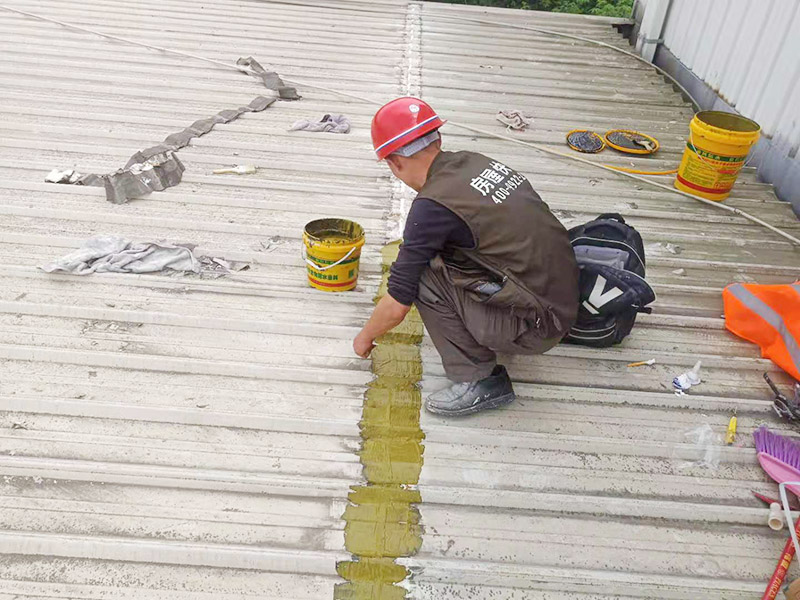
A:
x,y
698,448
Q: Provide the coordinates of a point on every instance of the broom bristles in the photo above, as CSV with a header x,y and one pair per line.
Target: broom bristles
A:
x,y
777,446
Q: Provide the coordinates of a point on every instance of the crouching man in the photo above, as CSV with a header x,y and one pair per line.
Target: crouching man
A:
x,y
486,263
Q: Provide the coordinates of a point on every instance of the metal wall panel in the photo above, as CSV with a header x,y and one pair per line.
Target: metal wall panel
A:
x,y
749,52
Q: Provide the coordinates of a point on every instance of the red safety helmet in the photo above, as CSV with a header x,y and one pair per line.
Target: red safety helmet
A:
x,y
400,122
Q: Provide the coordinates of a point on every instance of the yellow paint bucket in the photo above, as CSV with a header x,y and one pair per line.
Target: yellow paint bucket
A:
x,y
718,146
332,253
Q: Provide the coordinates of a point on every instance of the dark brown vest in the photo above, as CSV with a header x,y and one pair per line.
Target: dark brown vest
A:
x,y
519,243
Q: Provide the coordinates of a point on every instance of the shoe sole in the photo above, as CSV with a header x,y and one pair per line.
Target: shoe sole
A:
x,y
496,403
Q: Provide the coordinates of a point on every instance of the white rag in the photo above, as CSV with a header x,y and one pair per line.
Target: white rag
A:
x,y
329,123
112,254
515,119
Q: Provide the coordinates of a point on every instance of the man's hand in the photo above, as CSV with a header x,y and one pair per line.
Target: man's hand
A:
x,y
363,345
387,315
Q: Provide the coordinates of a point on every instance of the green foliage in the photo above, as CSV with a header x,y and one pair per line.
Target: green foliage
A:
x,y
607,8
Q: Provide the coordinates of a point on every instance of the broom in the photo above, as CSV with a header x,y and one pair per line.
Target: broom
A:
x,y
780,458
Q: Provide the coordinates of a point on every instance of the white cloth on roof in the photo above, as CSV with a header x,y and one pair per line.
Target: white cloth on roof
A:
x,y
112,254
328,123
515,119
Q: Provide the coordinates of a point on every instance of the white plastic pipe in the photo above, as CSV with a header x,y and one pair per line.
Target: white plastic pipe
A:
x,y
776,519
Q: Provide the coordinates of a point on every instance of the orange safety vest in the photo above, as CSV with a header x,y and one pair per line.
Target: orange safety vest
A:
x,y
767,315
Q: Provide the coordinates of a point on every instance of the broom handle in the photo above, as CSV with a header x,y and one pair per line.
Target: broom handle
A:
x,y
774,585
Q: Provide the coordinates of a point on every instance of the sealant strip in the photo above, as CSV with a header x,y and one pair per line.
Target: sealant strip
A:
x,y
158,168
382,522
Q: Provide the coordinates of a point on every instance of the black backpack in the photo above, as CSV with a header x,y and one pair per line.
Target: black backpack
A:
x,y
613,291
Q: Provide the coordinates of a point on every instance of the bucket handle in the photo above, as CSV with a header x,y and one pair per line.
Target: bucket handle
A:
x,y
315,266
713,167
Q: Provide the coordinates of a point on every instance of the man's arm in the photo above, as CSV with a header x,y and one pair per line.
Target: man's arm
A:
x,y
428,227
388,314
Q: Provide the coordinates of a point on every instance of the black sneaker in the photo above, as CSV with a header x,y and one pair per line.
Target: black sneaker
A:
x,y
471,397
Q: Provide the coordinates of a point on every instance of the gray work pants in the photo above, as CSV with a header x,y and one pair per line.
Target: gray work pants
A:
x,y
468,333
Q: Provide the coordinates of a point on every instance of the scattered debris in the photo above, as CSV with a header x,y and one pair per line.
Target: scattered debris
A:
x,y
686,380
68,176
565,216
328,123
515,119
270,245
18,425
643,363
730,434
108,326
112,254
237,170
669,247
699,448
219,266
202,405
680,273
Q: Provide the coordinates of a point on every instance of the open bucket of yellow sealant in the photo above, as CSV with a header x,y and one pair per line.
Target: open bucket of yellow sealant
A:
x,y
718,146
332,253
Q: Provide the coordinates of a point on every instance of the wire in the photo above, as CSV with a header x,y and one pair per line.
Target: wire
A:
x,y
717,205
541,148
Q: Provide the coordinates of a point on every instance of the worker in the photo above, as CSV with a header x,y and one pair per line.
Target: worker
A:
x,y
487,265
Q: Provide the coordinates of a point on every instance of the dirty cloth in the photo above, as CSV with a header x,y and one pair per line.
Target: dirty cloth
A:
x,y
158,168
328,123
515,119
468,333
112,254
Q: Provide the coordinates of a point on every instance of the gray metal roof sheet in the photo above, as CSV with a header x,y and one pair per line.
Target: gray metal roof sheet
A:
x,y
190,438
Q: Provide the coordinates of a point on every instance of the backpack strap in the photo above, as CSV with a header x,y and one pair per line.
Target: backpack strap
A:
x,y
611,217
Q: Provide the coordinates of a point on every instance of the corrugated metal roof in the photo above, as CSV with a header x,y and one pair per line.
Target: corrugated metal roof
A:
x,y
188,438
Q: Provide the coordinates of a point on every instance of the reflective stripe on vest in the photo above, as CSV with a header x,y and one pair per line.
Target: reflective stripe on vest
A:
x,y
770,316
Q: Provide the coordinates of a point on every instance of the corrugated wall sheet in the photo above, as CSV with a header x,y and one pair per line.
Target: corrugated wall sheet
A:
x,y
749,53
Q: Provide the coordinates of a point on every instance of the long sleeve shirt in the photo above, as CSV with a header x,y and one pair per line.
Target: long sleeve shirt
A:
x,y
431,229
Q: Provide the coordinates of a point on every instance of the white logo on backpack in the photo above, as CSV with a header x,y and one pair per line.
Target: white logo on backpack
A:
x,y
599,298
